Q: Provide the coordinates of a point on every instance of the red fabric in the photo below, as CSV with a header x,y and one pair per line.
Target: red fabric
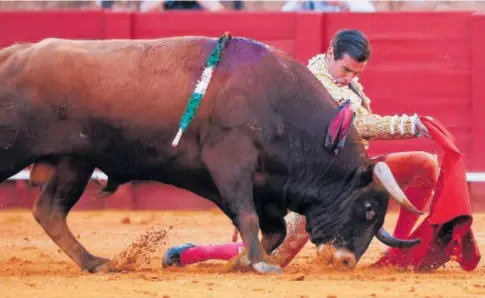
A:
x,y
446,232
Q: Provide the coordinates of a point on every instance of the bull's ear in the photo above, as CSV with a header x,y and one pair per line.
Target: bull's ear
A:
x,y
366,174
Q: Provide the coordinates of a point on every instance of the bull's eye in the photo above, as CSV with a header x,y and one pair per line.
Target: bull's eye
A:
x,y
369,211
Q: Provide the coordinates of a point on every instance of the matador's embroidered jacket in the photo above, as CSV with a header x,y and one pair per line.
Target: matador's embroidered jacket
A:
x,y
370,126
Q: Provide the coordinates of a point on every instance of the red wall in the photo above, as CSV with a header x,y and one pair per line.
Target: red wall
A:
x,y
426,63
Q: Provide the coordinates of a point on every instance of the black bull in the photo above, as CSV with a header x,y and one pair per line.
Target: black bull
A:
x,y
255,147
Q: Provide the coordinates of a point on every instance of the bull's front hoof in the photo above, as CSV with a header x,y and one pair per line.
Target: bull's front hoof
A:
x,y
267,268
100,265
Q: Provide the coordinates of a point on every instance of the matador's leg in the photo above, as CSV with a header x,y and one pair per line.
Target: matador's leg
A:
x,y
189,253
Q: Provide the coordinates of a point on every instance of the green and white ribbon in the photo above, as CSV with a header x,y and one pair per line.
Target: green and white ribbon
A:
x,y
201,88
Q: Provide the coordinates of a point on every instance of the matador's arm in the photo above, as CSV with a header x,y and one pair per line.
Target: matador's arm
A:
x,y
372,126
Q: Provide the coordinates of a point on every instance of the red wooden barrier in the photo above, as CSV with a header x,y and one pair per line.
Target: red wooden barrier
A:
x,y
289,32
428,63
34,26
420,64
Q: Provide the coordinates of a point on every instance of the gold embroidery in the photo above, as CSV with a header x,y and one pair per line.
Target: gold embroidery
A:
x,y
370,126
374,126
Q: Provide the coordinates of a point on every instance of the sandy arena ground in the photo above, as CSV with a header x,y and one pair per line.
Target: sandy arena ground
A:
x,y
32,266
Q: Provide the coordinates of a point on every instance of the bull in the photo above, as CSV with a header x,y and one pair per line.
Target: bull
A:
x,y
255,147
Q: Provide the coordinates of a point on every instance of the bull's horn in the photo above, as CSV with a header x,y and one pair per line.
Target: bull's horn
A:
x,y
389,240
384,176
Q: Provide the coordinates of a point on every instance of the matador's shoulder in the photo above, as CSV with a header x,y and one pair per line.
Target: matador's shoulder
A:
x,y
317,63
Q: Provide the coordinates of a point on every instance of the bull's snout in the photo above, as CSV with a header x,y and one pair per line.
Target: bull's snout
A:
x,y
344,260
341,258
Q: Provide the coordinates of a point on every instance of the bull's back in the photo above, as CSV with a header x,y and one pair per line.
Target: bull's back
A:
x,y
149,80
135,90
119,79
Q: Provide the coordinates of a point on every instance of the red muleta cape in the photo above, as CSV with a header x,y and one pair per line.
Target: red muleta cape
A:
x,y
446,232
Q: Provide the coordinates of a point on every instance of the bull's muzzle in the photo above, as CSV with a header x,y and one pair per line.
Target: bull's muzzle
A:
x,y
340,258
343,259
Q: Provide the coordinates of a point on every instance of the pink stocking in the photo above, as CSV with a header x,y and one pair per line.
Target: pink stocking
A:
x,y
201,253
294,242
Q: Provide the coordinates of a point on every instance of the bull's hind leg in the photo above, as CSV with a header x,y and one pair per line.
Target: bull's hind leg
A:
x,y
231,165
58,196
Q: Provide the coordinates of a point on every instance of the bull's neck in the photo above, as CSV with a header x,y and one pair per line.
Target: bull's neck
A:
x,y
312,183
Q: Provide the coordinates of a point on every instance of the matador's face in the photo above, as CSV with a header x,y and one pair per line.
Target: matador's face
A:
x,y
345,69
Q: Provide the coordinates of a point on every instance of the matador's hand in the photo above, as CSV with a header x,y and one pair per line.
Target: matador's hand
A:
x,y
421,130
